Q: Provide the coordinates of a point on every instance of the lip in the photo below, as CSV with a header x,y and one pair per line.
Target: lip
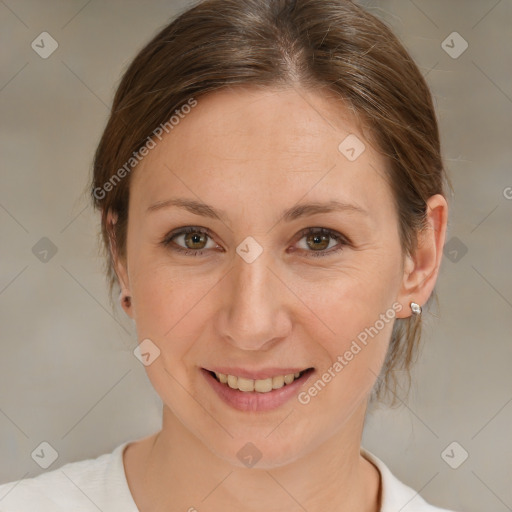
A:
x,y
265,373
252,400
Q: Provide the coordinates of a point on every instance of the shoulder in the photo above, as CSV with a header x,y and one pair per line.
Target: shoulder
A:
x,y
82,486
395,494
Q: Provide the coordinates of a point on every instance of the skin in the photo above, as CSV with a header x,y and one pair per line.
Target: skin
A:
x,y
254,153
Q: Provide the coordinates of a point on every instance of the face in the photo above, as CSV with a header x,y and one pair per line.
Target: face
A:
x,y
257,285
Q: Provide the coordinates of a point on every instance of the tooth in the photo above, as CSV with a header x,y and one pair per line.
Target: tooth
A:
x,y
232,382
263,385
288,379
245,384
259,385
278,382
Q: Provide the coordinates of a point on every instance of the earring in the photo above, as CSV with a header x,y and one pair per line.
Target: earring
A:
x,y
127,300
415,308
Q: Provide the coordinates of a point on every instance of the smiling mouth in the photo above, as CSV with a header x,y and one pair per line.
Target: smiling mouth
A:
x,y
258,385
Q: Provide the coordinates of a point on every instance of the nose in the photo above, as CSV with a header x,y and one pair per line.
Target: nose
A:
x,y
256,311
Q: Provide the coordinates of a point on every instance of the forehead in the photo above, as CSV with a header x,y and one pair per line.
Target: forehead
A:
x,y
250,145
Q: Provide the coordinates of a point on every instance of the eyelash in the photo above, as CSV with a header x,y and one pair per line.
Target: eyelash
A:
x,y
168,240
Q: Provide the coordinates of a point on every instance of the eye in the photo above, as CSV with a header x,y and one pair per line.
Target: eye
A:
x,y
194,238
317,239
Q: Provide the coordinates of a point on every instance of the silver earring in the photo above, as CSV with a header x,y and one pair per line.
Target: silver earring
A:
x,y
415,308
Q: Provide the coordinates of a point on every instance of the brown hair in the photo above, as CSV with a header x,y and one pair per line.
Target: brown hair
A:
x,y
333,44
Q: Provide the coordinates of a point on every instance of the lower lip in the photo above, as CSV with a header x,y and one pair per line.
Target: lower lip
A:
x,y
253,400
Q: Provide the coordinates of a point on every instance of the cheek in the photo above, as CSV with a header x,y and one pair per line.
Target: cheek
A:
x,y
360,325
171,304
163,302
357,307
170,312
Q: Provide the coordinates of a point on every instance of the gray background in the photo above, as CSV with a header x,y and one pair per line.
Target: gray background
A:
x,y
67,372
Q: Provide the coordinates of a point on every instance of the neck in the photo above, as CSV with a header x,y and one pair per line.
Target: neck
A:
x,y
173,469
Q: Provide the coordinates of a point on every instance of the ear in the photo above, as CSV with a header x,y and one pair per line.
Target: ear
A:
x,y
422,268
119,266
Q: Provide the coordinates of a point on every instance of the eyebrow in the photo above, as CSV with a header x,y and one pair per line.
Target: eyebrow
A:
x,y
293,213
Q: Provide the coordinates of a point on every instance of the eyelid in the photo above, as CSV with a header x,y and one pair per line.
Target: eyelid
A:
x,y
169,238
342,240
324,231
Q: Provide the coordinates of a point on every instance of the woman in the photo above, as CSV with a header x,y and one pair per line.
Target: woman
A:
x,y
273,209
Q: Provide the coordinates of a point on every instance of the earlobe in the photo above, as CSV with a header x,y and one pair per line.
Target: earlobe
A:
x,y
126,303
422,268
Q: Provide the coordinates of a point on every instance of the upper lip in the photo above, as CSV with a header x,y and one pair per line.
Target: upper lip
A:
x,y
264,373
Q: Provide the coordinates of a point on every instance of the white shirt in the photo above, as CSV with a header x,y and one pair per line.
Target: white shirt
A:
x,y
100,484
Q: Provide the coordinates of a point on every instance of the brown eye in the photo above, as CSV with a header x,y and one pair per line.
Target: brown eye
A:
x,y
195,240
190,240
319,239
318,242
